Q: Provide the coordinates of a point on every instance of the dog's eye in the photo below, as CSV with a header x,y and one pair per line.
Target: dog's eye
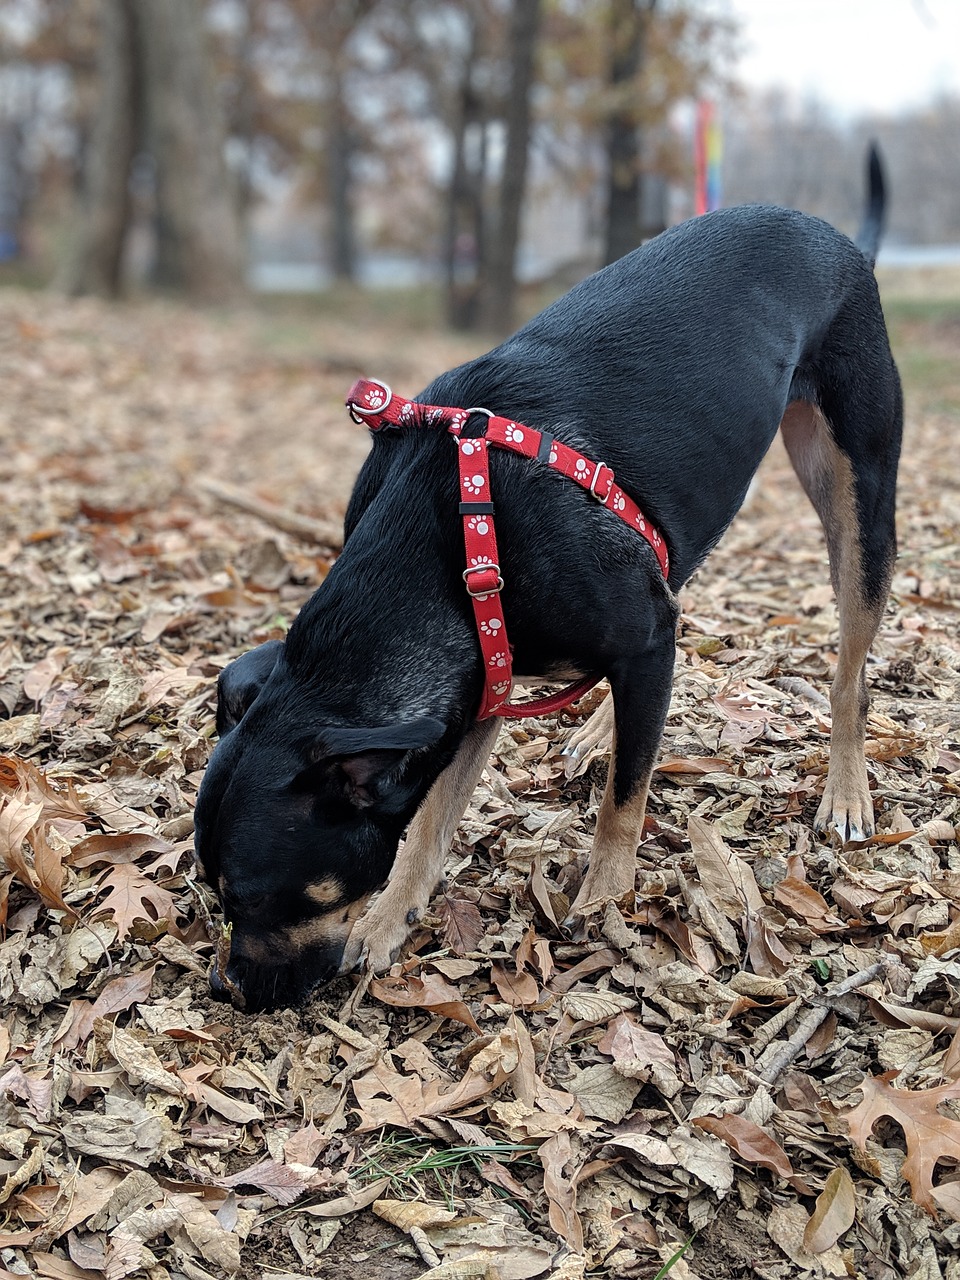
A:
x,y
246,901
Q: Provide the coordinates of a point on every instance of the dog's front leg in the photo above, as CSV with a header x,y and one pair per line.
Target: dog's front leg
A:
x,y
641,699
377,937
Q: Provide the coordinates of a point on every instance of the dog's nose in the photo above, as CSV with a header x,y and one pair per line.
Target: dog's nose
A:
x,y
218,988
226,986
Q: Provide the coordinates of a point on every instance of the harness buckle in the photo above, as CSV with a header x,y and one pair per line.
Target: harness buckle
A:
x,y
353,408
487,567
610,478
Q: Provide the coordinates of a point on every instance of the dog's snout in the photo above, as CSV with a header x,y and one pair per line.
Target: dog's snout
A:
x,y
226,985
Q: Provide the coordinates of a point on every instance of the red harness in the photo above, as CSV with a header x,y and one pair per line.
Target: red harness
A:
x,y
373,403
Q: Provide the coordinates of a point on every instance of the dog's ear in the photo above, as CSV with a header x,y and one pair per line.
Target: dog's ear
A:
x,y
362,762
240,682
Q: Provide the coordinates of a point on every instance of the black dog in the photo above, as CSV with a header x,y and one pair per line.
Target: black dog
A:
x,y
676,366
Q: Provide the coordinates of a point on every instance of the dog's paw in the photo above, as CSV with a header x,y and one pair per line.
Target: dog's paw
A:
x,y
846,809
612,883
376,940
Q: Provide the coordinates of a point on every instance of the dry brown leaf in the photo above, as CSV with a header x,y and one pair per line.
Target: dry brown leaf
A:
x,y
352,1202
215,1244
785,1226
558,1155
142,1065
131,897
930,1136
833,1214
515,988
603,1092
947,1196
749,1141
281,1182
627,1040
461,923
117,995
386,1097
728,880
39,679
431,992
801,900
407,1214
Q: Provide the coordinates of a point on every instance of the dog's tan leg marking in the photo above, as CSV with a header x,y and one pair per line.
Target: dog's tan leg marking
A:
x,y
828,478
378,936
613,858
596,733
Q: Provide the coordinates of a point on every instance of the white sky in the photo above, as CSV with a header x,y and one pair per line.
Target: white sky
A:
x,y
854,55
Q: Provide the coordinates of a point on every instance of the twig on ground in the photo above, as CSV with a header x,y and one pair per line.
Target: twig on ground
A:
x,y
779,1057
325,532
356,996
773,1026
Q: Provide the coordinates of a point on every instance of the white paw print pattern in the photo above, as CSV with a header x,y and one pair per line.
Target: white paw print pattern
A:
x,y
407,414
474,484
513,433
581,469
479,525
498,659
492,627
618,502
501,688
553,455
469,447
641,524
375,398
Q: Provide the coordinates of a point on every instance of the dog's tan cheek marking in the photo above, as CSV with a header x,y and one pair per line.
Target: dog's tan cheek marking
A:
x,y
324,892
322,930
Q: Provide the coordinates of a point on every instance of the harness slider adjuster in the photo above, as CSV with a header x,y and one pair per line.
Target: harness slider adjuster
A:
x,y
610,478
488,567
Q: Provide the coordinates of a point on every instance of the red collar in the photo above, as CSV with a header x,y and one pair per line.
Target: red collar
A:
x,y
373,403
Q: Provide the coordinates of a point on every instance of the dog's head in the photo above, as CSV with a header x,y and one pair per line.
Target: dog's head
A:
x,y
297,823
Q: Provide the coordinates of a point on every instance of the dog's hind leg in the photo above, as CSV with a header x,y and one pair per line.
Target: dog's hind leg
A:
x,y
378,935
847,463
640,692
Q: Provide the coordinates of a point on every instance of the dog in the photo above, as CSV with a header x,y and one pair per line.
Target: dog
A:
x,y
676,366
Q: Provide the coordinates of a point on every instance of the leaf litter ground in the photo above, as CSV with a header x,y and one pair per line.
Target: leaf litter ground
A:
x,y
761,1061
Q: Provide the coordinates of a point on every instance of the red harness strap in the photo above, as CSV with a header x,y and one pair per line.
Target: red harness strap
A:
x,y
373,403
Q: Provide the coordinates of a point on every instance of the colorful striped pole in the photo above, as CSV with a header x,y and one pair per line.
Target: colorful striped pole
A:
x,y
708,155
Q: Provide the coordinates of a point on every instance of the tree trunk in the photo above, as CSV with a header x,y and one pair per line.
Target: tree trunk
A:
x,y
340,150
94,264
197,229
628,19
500,283
465,239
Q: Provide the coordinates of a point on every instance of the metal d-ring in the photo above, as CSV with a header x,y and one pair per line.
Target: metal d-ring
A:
x,y
367,413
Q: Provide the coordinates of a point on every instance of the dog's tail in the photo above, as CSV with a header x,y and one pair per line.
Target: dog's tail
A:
x,y
874,216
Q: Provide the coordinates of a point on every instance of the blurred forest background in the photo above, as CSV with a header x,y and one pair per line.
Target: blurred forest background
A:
x,y
211,148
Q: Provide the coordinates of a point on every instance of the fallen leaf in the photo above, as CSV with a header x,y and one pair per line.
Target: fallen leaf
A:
x,y
749,1141
833,1214
461,922
930,1136
431,992
281,1182
132,897
727,879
